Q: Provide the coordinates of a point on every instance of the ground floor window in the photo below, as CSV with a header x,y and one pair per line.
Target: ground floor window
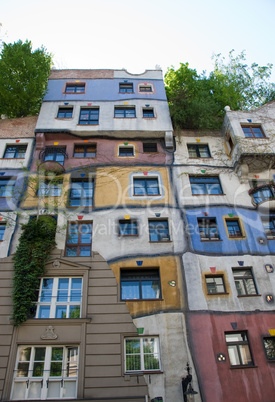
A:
x,y
142,354
45,372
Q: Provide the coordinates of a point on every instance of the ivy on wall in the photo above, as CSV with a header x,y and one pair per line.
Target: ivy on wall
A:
x,y
32,253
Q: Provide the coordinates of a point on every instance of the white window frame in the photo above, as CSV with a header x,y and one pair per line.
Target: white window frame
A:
x,y
53,303
40,387
141,354
126,146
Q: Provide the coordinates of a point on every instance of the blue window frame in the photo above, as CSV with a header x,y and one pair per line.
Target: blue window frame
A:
x,y
2,230
148,186
125,111
81,193
140,285
148,112
79,239
7,187
205,185
89,116
126,87
15,151
65,112
128,227
57,154
159,230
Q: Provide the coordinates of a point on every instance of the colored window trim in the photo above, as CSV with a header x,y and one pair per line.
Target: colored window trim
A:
x,y
145,88
234,228
146,186
215,284
2,230
125,151
56,154
269,225
7,187
81,193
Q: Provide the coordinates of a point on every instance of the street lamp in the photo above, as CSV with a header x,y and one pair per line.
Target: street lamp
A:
x,y
187,389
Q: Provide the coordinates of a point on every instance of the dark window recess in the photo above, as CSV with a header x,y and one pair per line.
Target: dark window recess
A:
x,y
208,229
146,187
89,116
215,284
234,228
125,112
159,230
140,284
85,151
75,88
198,151
253,131
150,147
269,345
65,112
79,239
238,349
145,88
148,112
128,227
126,151
56,154
15,151
205,185
126,88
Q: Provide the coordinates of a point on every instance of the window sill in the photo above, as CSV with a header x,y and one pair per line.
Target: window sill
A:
x,y
208,194
83,157
160,241
146,195
90,124
125,117
210,240
57,321
11,158
241,296
140,300
237,238
243,367
136,235
200,157
143,372
63,118
217,294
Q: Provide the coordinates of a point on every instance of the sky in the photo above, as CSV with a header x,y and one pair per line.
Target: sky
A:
x,y
142,34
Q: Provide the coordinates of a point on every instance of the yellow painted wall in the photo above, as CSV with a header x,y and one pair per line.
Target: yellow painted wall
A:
x,y
170,270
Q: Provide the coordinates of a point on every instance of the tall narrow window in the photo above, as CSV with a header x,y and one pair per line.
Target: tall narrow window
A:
x,y
7,187
81,193
79,239
238,349
2,230
244,281
269,345
234,228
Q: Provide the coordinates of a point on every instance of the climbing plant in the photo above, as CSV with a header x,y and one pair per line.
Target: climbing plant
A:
x,y
33,251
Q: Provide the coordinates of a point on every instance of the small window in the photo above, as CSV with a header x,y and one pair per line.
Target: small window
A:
x,y
159,230
215,284
7,187
15,151
244,282
149,186
81,193
125,151
269,225
2,231
79,239
89,116
208,229
253,131
238,349
269,345
139,284
264,193
57,154
150,147
205,185
75,88
142,354
198,151
125,112
233,228
148,112
126,88
145,88
85,151
50,188
65,112
128,227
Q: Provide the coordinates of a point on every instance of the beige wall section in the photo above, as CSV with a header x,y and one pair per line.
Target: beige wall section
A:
x,y
172,296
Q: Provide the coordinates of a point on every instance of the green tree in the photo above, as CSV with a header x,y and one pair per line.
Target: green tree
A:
x,y
23,78
197,101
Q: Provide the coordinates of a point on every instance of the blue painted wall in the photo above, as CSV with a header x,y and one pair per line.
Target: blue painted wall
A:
x,y
12,203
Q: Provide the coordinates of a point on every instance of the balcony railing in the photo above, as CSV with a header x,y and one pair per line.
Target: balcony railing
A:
x,y
263,193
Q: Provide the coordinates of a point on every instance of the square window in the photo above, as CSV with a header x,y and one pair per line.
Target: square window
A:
x,y
128,227
148,112
75,88
233,228
89,116
145,88
244,281
238,349
148,186
150,147
81,193
215,284
208,229
269,345
126,88
79,239
253,131
198,151
139,284
159,230
126,151
65,112
205,185
85,151
142,354
269,225
57,154
7,187
15,151
2,231
125,111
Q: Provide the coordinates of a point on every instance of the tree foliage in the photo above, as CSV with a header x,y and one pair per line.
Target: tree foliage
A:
x,y
23,78
197,101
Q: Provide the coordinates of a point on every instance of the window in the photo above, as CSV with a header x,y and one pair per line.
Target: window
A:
x,y
128,227
145,88
15,151
244,282
2,231
126,88
198,151
150,147
205,185
85,151
208,229
125,111
233,228
50,189
146,186
126,151
215,284
264,193
57,154
139,284
253,131
79,239
65,112
269,225
159,230
142,354
59,298
148,112
7,187
89,116
238,349
81,193
45,372
75,88
269,345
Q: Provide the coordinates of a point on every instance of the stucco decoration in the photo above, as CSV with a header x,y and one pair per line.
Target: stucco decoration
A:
x,y
49,333
56,264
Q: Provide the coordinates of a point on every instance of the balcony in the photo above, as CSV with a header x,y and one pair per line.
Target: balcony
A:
x,y
264,194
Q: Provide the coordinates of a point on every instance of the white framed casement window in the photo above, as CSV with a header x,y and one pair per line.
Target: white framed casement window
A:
x,y
45,372
59,298
142,354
